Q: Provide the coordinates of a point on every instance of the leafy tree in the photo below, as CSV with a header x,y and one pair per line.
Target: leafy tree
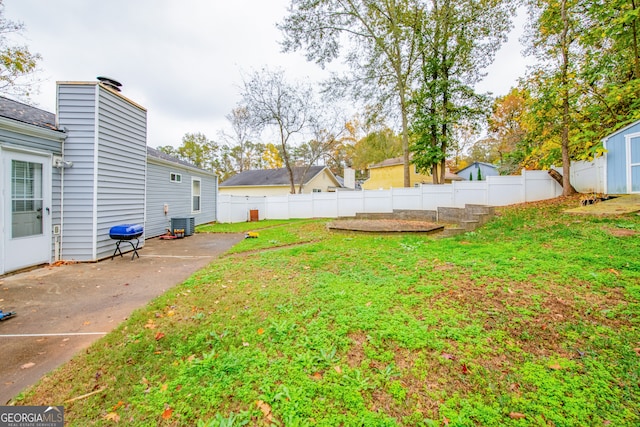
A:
x,y
506,124
557,25
458,39
376,147
382,39
609,72
168,149
17,64
586,83
283,107
271,157
196,148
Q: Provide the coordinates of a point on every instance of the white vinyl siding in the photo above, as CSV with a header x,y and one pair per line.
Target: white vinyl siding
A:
x,y
177,196
106,184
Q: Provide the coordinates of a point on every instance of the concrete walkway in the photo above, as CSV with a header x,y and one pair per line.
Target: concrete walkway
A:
x,y
62,310
620,205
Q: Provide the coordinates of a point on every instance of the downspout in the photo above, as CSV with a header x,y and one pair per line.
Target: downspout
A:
x,y
59,237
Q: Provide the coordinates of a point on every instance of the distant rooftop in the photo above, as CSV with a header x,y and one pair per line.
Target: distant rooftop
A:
x,y
271,176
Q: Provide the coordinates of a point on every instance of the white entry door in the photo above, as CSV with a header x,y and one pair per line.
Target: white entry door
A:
x,y
27,191
634,164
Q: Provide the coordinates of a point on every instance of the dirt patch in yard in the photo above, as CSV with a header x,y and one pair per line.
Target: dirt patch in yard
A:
x,y
621,232
385,226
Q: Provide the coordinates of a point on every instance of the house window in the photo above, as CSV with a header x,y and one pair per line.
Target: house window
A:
x,y
175,177
195,195
317,190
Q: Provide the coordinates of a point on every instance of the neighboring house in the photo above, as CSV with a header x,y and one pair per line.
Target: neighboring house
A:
x,y
390,174
471,172
622,166
274,182
67,180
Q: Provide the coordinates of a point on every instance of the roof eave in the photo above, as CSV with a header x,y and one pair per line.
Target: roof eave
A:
x,y
153,159
32,130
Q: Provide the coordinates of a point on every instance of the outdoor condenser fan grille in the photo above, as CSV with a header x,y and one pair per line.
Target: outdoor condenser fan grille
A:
x,y
186,223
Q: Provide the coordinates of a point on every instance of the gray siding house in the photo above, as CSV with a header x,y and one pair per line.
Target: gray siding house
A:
x,y
177,189
471,172
66,180
106,144
30,200
622,165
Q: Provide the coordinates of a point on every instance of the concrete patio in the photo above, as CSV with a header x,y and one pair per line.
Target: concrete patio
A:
x,y
61,310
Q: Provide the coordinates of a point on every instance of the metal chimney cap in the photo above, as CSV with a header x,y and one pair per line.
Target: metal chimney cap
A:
x,y
112,83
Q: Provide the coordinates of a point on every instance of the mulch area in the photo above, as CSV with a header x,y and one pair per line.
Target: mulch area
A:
x,y
385,226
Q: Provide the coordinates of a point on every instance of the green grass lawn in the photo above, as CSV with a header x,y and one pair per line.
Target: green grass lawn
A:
x,y
531,320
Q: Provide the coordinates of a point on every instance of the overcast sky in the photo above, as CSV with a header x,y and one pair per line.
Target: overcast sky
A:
x,y
181,60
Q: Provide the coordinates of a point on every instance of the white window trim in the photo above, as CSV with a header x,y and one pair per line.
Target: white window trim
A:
x,y
630,165
193,180
177,177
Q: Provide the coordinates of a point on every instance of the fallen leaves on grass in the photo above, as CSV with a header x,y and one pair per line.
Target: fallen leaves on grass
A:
x,y
517,415
150,324
112,416
265,409
159,336
166,414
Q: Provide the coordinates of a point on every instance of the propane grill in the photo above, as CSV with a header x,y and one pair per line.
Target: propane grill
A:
x,y
126,233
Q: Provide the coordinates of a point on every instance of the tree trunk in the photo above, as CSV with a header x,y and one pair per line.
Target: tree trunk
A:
x,y
567,188
405,139
636,53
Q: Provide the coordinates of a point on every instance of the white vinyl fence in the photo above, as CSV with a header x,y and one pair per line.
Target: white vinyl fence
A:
x,y
587,177
495,191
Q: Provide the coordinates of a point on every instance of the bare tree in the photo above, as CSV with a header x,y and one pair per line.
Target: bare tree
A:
x,y
326,128
239,139
383,37
283,107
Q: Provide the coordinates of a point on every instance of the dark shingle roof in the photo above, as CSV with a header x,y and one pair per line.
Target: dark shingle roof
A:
x,y
152,152
271,177
169,158
27,114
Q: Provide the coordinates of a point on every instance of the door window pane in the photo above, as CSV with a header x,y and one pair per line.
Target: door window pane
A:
x,y
26,199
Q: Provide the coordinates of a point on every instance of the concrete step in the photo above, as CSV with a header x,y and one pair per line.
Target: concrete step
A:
x,y
375,215
480,209
415,215
469,224
449,232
